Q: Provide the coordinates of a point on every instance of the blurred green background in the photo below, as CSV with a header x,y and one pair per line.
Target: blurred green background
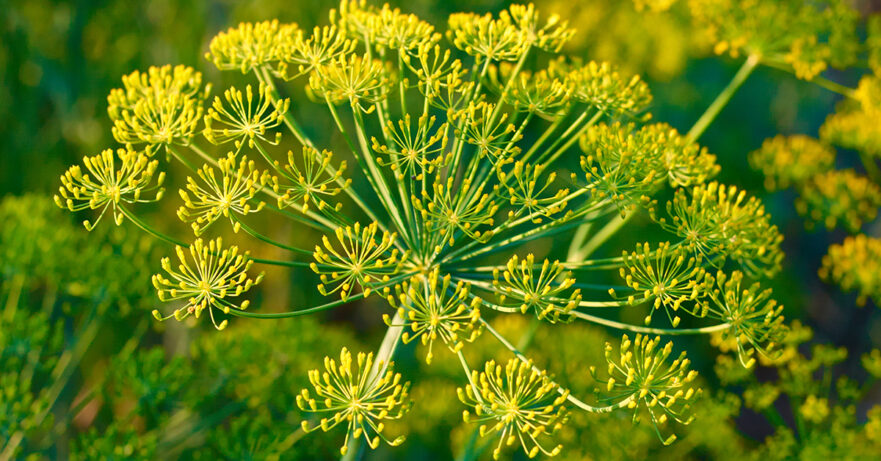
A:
x,y
60,59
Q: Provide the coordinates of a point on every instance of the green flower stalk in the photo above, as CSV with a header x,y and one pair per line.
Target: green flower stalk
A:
x,y
464,146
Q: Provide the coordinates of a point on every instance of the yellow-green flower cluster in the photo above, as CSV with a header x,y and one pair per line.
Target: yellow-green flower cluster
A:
x,y
244,119
110,185
310,182
515,403
250,45
855,125
640,377
604,87
433,308
720,222
817,34
855,265
666,277
839,198
228,195
208,279
508,37
461,144
358,258
543,289
821,400
362,394
531,195
413,153
791,160
162,106
756,320
359,81
628,163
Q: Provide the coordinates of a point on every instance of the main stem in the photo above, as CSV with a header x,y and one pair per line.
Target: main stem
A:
x,y
722,100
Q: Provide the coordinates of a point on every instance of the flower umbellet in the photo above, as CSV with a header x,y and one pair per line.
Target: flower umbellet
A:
x,y
108,186
208,279
361,393
518,403
436,125
642,377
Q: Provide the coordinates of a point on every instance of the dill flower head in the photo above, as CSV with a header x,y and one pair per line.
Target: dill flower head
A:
x,y
250,45
791,160
539,93
756,320
301,55
243,118
208,279
518,403
839,197
450,211
487,38
461,146
161,106
629,163
354,79
531,194
413,151
720,222
391,29
311,181
666,277
855,265
817,34
110,185
544,290
641,377
229,194
360,393
433,308
358,258
604,87
549,35
856,124
492,135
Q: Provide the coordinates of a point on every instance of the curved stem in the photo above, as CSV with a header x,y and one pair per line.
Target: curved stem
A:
x,y
648,330
146,228
312,310
572,399
722,99
268,240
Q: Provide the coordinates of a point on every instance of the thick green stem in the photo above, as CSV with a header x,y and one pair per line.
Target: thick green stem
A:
x,y
722,99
